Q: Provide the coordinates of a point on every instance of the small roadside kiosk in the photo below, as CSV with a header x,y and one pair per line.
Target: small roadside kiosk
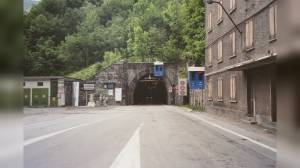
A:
x,y
196,81
48,91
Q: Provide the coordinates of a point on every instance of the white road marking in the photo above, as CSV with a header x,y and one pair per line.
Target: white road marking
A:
x,y
37,139
130,157
48,122
236,134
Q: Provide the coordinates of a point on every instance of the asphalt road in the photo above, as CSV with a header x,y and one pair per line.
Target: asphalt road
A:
x,y
134,137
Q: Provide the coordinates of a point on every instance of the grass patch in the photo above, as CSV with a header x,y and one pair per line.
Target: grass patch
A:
x,y
87,73
194,108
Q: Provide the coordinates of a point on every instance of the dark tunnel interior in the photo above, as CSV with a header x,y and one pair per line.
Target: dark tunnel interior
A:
x,y
151,91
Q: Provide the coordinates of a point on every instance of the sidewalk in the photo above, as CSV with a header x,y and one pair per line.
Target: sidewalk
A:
x,y
258,134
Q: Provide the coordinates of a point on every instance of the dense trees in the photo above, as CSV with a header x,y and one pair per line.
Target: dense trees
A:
x,y
63,36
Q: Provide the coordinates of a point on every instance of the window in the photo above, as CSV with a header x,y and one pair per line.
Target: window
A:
x,y
249,34
193,75
220,12
220,51
233,44
110,85
273,21
232,5
40,83
209,88
232,88
220,89
199,76
209,53
209,22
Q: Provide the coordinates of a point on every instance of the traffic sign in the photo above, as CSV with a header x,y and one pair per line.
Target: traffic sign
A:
x,y
182,87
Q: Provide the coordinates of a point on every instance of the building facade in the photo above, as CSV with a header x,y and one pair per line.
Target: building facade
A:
x,y
49,91
240,61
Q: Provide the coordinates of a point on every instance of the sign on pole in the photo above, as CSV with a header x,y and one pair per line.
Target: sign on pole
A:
x,y
118,94
89,87
110,92
182,87
170,89
196,77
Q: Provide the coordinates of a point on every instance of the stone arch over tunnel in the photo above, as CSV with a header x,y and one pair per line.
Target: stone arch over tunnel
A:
x,y
133,88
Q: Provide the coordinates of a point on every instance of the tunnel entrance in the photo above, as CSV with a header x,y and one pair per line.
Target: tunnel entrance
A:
x,y
150,90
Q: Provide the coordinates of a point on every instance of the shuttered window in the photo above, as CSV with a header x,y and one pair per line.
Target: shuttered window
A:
x,y
233,87
232,5
220,89
209,57
220,51
209,22
209,88
220,11
249,34
233,44
273,21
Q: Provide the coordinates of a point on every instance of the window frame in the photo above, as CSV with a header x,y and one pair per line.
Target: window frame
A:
x,y
233,44
273,22
220,50
193,75
209,90
209,22
249,36
233,89
220,12
209,56
232,6
40,84
220,89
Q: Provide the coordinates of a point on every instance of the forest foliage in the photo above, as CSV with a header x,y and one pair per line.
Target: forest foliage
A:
x,y
65,36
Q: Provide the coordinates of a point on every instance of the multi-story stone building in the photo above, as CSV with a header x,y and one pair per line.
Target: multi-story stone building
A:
x,y
240,61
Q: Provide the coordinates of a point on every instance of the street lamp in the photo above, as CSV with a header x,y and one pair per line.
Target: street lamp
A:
x,y
218,2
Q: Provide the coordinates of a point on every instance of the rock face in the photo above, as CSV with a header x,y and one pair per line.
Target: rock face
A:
x,y
121,80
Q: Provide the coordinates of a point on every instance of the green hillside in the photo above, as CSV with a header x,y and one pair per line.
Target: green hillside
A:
x,y
63,36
